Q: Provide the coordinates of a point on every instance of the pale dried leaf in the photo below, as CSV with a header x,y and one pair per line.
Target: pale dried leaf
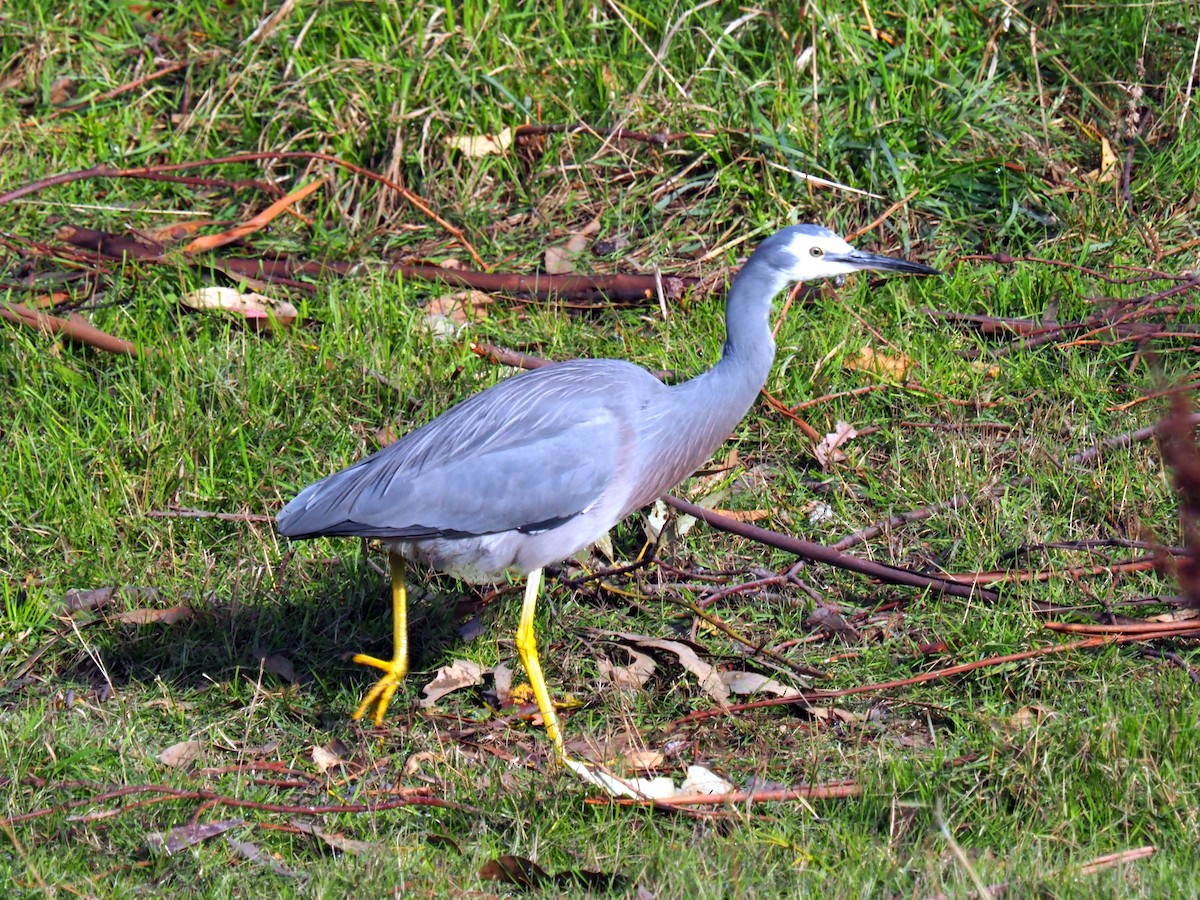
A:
x,y
644,759
701,781
1029,716
829,449
336,841
1108,164
258,310
168,616
182,754
894,366
605,545
326,758
1176,615
709,678
753,682
459,674
449,314
818,512
413,764
474,146
631,677
661,788
256,854
182,836
559,261
502,677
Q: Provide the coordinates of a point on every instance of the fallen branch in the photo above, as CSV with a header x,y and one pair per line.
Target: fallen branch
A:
x,y
589,289
421,796
75,327
829,556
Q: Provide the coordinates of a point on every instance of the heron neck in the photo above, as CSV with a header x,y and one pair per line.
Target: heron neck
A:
x,y
729,388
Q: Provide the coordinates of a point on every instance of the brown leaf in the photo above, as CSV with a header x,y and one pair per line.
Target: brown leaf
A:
x,y
182,754
212,241
256,854
62,89
336,841
280,665
327,757
829,450
168,616
561,260
514,870
459,674
709,678
885,365
447,315
631,677
183,836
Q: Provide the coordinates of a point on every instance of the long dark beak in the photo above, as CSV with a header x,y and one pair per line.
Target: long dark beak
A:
x,y
863,260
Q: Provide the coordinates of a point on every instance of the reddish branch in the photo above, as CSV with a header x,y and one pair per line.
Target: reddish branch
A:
x,y
829,556
413,797
75,327
590,289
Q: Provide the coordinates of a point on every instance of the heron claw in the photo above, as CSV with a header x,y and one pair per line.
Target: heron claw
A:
x,y
380,694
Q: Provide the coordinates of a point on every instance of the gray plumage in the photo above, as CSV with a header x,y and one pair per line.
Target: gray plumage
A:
x,y
539,466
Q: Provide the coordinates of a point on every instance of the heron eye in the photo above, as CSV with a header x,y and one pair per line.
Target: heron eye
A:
x,y
816,252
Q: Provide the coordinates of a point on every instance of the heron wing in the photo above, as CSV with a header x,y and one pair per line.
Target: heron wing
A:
x,y
525,455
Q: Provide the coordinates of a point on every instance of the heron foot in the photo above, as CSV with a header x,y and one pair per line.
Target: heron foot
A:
x,y
380,694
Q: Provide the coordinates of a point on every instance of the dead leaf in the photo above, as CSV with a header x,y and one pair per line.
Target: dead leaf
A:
x,y
175,232
561,260
184,836
1029,716
830,619
502,677
829,450
885,365
212,241
516,870
413,763
644,759
326,757
256,854
459,674
168,616
62,90
336,841
701,781
479,145
258,310
709,678
447,315
182,754
834,714
631,677
753,682
280,665
1108,164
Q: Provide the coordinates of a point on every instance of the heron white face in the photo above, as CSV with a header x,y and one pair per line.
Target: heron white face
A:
x,y
817,252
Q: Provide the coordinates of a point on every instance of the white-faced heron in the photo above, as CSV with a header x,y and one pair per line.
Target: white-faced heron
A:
x,y
536,468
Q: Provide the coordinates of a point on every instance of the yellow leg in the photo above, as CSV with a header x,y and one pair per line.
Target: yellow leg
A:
x,y
527,647
397,667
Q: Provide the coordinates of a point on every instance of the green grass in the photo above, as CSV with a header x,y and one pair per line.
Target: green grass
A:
x,y
944,107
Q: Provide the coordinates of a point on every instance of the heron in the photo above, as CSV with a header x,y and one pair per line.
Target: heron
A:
x,y
536,468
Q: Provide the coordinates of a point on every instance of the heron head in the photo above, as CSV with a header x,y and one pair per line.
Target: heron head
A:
x,y
809,252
